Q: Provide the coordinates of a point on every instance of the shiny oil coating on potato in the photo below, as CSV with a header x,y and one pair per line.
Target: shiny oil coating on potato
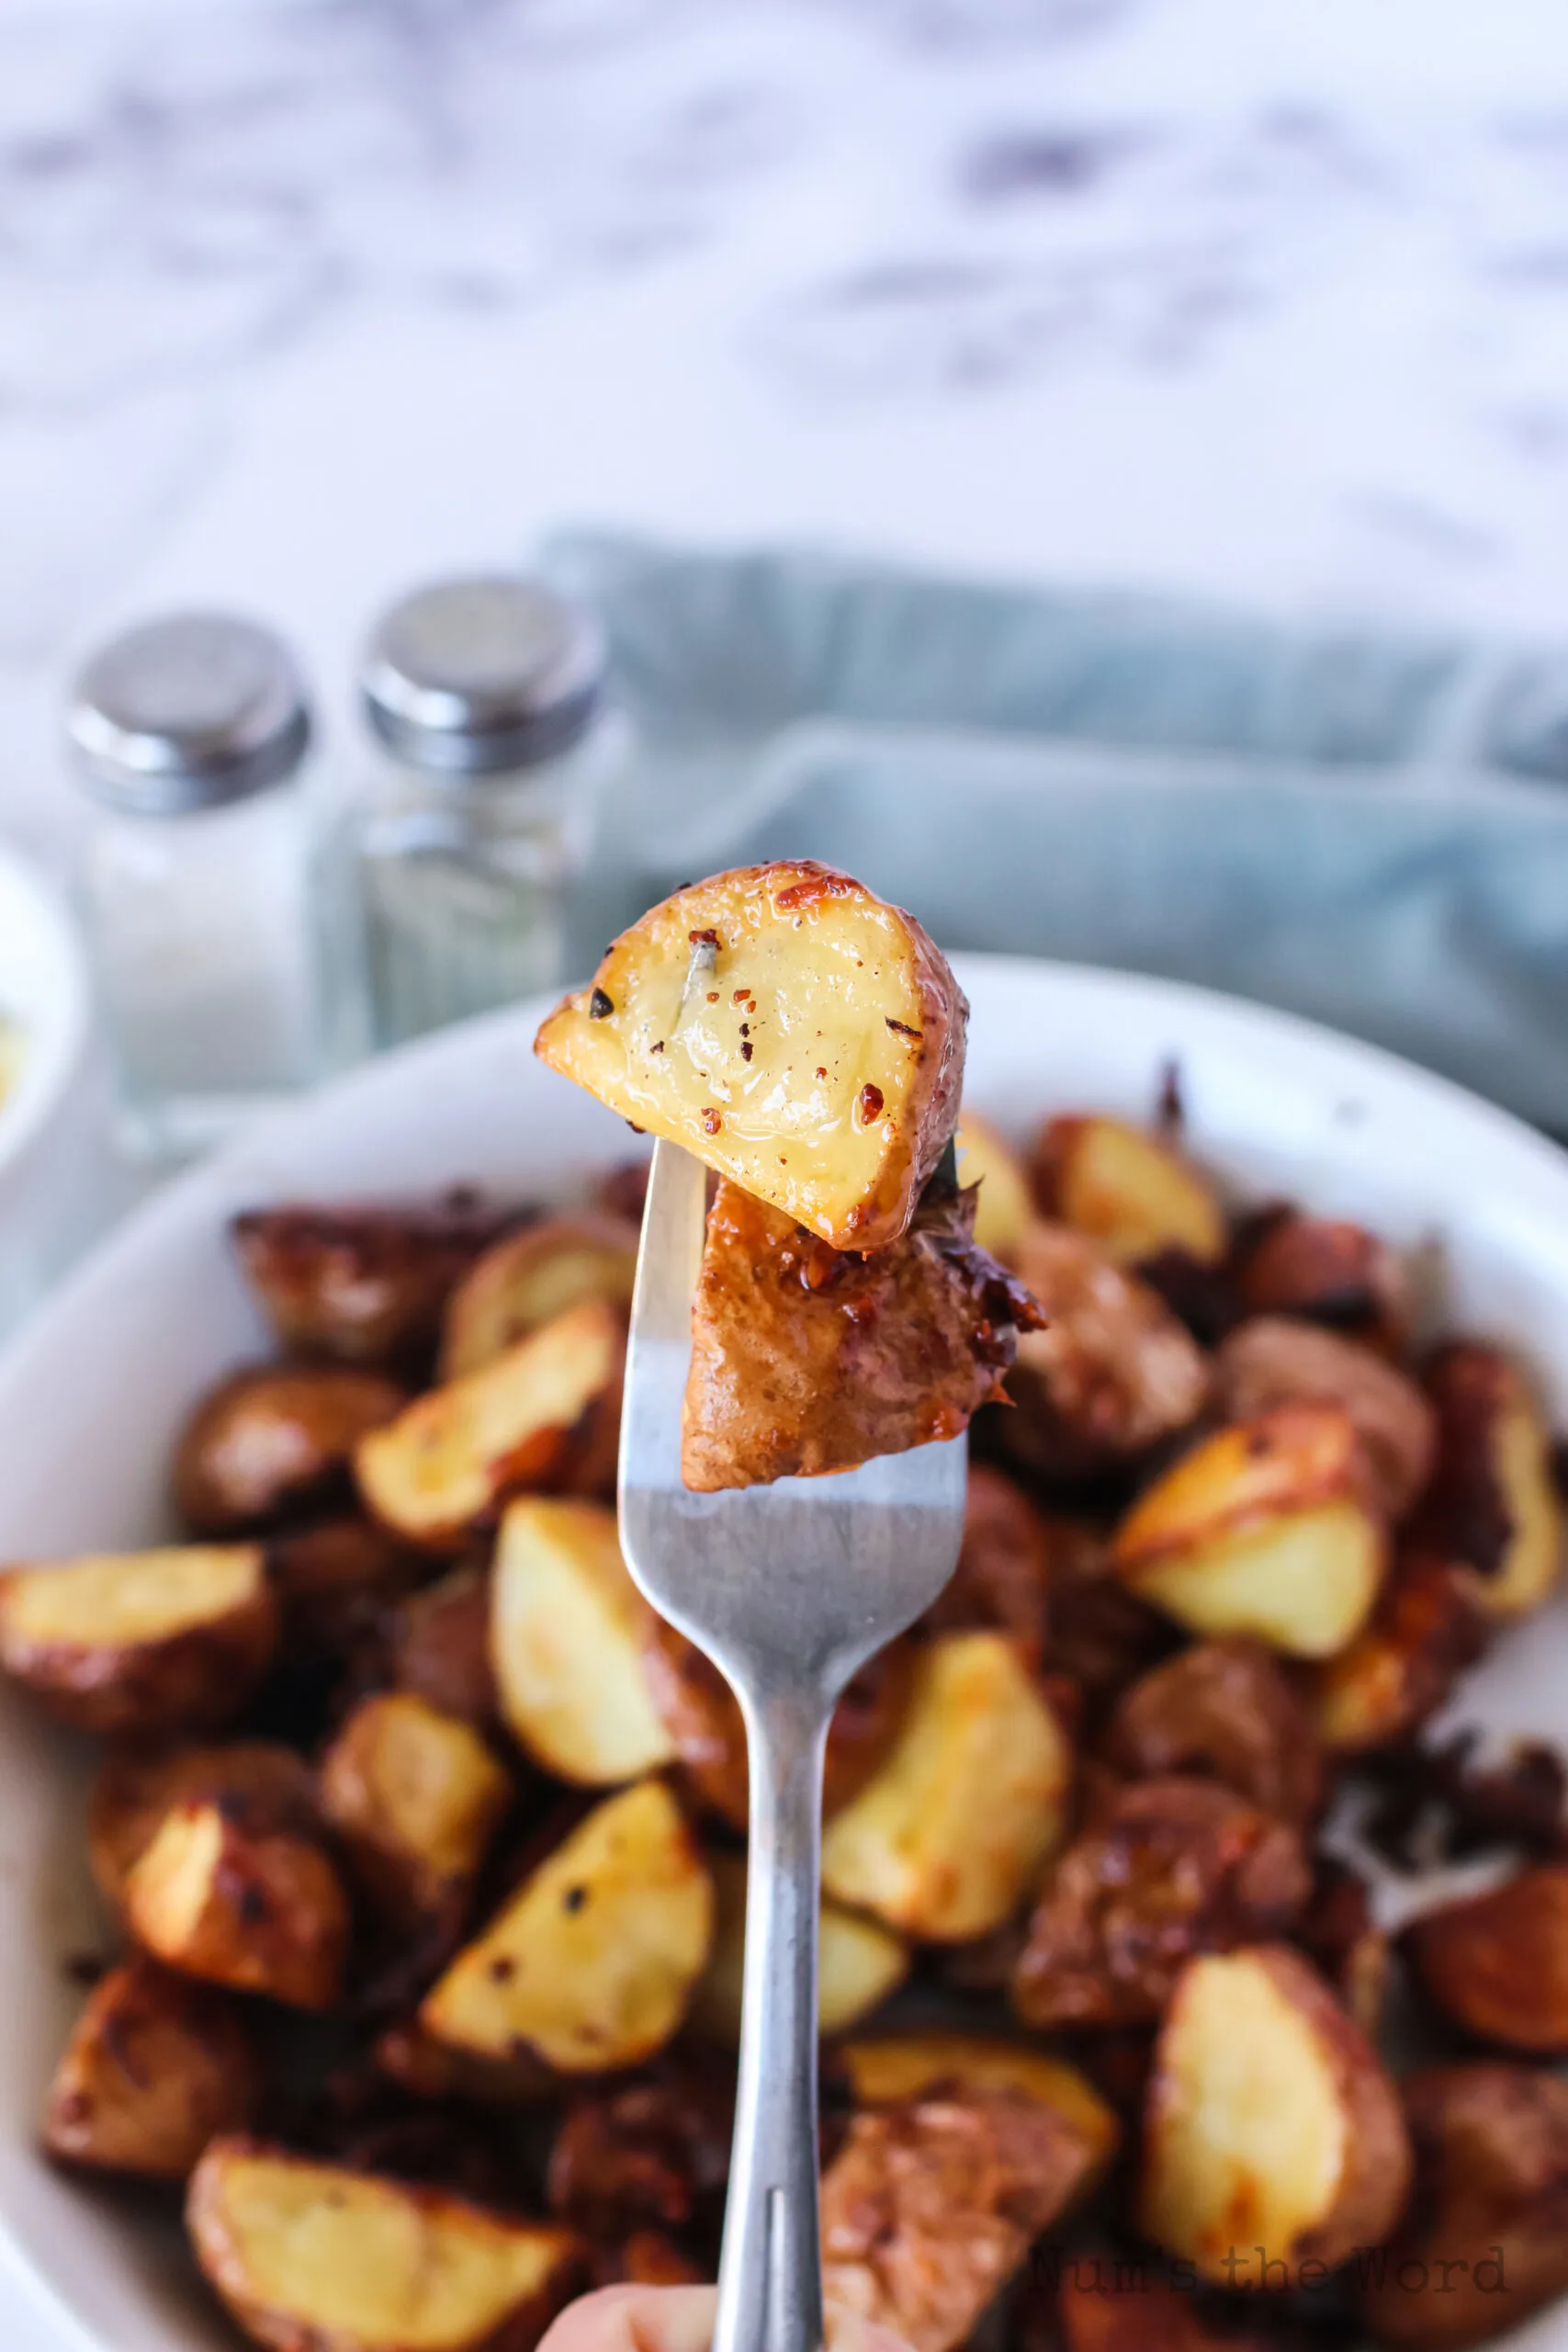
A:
x,y
819,1065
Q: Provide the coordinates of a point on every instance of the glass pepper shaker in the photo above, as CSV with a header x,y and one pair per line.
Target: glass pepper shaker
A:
x,y
198,874
487,696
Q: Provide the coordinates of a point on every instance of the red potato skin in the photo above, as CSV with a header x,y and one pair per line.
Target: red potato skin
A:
x,y
192,1681
1003,1577
154,2069
362,1285
272,1440
1222,1711
1496,1964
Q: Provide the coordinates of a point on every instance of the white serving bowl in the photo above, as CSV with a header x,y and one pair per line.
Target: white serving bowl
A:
x,y
92,1394
44,991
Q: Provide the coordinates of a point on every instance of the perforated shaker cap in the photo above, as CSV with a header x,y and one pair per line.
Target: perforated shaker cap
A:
x,y
186,713
472,677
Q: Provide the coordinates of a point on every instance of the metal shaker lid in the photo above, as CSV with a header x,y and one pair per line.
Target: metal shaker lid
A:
x,y
471,677
187,713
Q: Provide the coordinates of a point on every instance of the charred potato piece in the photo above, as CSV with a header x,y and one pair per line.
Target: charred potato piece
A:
x,y
593,1962
153,2070
949,1834
141,1642
1272,1360
806,1359
255,1781
1426,1628
567,1632
1496,1964
334,1582
1264,1528
859,1961
1484,2243
652,2150
928,2208
440,1646
1272,2134
444,1467
528,1279
816,1063
414,1797
273,1439
1492,1503
259,1910
1111,1373
1003,1577
315,2255
1222,1711
703,1717
361,1286
1005,1201
1323,1269
1129,1191
890,2069
1168,1869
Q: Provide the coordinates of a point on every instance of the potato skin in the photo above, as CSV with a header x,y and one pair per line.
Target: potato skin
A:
x,y
270,1914
255,1781
1496,1964
155,2067
440,1646
414,1798
1222,1711
1003,1577
274,1438
362,1285
649,2153
334,1581
1272,1360
1492,1503
1326,1271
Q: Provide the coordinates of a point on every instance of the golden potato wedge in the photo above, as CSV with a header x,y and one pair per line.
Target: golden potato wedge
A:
x,y
592,1963
1128,1190
415,1797
273,1439
1273,2139
1426,1628
1272,1360
155,2067
257,1781
1483,2242
141,1642
927,2210
859,1963
259,1910
1222,1711
952,1832
889,2069
806,1359
567,1632
1492,1501
440,1646
1326,1271
1111,1373
1006,1201
362,1285
817,1064
444,1467
1496,1964
314,2257
528,1279
1263,1528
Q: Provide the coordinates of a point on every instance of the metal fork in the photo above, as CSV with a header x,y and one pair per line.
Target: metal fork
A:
x,y
789,1589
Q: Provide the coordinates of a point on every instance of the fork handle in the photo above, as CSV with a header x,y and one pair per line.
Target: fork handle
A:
x,y
769,2276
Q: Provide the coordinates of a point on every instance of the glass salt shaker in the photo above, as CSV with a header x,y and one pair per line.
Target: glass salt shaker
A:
x,y
488,697
198,874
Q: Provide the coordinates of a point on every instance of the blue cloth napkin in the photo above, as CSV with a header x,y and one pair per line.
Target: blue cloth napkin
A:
x,y
1371,829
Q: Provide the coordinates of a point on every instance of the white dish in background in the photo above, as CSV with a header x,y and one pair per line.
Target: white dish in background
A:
x,y
43,995
91,1395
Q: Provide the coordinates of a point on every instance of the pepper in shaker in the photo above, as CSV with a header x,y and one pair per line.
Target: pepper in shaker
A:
x,y
189,733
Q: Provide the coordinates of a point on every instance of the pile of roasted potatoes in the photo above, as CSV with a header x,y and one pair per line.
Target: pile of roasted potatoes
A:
x,y
422,1836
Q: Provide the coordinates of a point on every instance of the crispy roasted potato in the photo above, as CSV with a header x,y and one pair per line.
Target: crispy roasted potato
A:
x,y
154,2069
1496,1964
1272,1360
928,2208
274,1440
1164,1870
1264,1528
1426,1628
568,1627
257,1909
415,1797
141,1642
952,1832
257,1781
1492,1501
1128,1190
816,1063
447,1462
1484,2243
1007,1202
891,2069
1222,1711
1111,1373
1003,1577
806,1359
362,1285
593,1962
440,1646
859,1963
1272,2139
334,1582
313,2257
651,2151
526,1281
1323,1269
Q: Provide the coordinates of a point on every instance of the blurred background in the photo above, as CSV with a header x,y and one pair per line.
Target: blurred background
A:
x,y
1226,339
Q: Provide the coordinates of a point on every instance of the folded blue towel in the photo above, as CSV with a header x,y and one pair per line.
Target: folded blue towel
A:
x,y
1371,830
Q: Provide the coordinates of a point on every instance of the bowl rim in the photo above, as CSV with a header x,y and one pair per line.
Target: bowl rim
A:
x,y
52,1008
